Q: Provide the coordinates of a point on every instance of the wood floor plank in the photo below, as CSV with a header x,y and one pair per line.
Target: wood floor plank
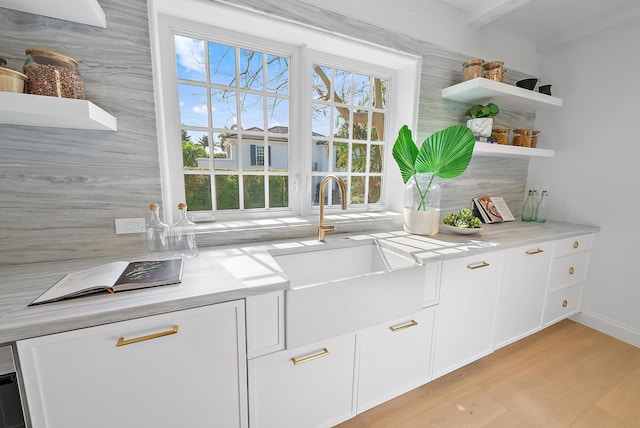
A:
x,y
566,375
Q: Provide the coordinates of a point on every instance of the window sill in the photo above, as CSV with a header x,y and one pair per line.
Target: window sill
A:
x,y
242,231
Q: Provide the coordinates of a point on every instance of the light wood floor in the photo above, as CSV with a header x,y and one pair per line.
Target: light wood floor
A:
x,y
567,375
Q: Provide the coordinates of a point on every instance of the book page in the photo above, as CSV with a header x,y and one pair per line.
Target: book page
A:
x,y
103,276
502,208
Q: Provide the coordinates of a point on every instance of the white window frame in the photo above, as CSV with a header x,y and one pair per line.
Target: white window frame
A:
x,y
275,35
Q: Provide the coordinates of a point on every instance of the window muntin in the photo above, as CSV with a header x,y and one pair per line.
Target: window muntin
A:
x,y
234,116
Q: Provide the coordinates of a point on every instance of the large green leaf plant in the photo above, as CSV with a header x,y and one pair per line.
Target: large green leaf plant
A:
x,y
444,154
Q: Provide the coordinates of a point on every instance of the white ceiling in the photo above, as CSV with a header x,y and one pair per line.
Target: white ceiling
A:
x,y
546,23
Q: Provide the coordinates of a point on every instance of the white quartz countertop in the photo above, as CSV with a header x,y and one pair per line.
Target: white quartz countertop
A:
x,y
224,273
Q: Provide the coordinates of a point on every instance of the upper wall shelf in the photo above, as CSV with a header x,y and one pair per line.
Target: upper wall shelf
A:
x,y
82,11
504,151
38,110
508,97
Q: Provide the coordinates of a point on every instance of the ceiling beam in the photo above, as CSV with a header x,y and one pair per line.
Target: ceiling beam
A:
x,y
488,11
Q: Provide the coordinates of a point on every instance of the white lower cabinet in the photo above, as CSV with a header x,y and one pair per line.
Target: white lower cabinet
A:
x,y
306,387
523,292
466,312
179,369
394,358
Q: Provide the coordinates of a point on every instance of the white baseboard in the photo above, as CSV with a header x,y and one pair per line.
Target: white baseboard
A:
x,y
610,327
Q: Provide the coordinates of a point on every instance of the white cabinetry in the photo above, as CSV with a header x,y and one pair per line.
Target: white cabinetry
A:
x,y
566,280
523,292
265,323
394,358
466,313
310,386
185,368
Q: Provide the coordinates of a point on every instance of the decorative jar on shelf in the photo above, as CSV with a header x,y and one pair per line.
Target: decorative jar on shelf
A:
x,y
52,74
422,205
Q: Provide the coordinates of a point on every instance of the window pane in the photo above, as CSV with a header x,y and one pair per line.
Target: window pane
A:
x,y
251,70
277,112
357,190
278,74
227,192
377,127
342,156
253,191
193,105
331,192
361,90
190,59
222,64
342,87
197,189
278,154
375,190
320,155
226,152
375,158
252,115
335,190
361,126
341,129
195,149
320,125
278,191
223,109
380,93
321,83
359,158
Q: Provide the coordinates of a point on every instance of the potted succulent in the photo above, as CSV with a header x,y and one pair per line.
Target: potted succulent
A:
x,y
444,154
481,119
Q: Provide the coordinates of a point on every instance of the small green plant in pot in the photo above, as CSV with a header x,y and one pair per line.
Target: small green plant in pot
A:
x,y
444,154
481,119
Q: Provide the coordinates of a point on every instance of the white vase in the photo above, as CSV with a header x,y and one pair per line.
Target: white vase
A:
x,y
481,126
422,205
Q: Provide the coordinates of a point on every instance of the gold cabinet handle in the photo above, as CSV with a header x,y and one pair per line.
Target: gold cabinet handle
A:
x,y
122,341
322,353
564,303
536,251
409,324
478,265
571,270
575,244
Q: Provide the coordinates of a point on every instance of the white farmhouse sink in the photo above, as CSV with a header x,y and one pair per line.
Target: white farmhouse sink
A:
x,y
344,287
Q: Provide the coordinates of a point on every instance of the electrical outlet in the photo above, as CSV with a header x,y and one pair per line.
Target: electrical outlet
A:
x,y
129,225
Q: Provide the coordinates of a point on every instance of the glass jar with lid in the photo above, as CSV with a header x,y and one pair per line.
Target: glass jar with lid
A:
x,y
52,74
534,138
494,70
522,137
501,135
472,69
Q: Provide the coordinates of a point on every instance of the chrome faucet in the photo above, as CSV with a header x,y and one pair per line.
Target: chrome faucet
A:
x,y
322,229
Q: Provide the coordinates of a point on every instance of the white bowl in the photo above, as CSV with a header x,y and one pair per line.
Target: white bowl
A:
x,y
463,230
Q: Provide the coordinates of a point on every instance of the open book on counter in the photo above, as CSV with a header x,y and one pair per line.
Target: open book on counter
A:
x,y
491,209
114,277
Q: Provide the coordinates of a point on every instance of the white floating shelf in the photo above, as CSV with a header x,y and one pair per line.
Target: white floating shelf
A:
x,y
501,150
37,110
82,11
508,97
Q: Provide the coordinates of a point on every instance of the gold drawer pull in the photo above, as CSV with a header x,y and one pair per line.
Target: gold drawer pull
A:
x,y
575,244
322,353
564,303
532,252
409,324
571,270
478,265
122,341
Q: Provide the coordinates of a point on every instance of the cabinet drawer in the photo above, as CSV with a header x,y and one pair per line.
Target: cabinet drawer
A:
x,y
573,245
394,358
568,270
562,303
310,386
